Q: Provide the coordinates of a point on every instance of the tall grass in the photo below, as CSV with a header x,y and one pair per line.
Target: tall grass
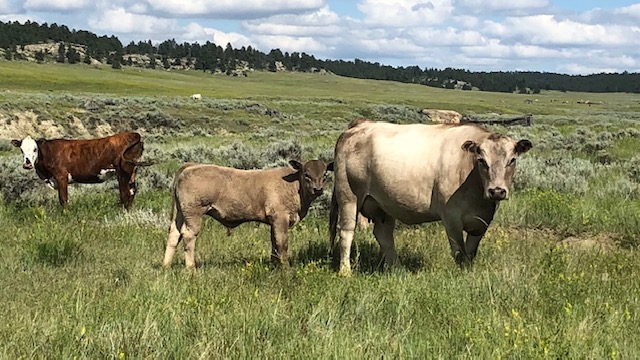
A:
x,y
555,277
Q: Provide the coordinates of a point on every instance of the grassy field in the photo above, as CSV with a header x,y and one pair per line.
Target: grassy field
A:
x,y
557,275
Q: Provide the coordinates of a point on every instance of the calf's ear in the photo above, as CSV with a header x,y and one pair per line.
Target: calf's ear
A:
x,y
470,146
295,164
16,143
330,166
523,146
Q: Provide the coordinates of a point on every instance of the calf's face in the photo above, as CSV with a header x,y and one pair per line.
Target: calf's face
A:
x,y
29,149
495,159
312,175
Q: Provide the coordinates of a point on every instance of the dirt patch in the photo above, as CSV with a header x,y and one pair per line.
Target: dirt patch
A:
x,y
19,124
23,123
600,241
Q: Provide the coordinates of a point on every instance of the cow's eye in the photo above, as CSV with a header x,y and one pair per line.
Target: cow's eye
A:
x,y
483,163
512,162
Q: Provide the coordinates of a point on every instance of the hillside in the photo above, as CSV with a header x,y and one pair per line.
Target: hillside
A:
x,y
43,43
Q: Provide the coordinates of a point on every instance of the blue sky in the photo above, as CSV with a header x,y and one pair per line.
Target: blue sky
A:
x,y
576,37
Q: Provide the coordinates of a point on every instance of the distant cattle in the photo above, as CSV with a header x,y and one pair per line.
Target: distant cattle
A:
x,y
60,161
279,197
196,97
420,173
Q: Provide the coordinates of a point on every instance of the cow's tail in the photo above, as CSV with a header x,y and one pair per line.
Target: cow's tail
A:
x,y
333,219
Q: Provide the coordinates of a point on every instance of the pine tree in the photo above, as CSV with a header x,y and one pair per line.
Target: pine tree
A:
x,y
61,53
72,56
8,54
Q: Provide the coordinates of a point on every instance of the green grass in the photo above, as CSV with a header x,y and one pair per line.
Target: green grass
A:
x,y
556,276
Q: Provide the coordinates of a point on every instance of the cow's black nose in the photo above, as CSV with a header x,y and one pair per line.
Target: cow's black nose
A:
x,y
497,193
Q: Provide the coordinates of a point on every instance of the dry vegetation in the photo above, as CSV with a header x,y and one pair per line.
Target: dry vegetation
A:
x,y
556,276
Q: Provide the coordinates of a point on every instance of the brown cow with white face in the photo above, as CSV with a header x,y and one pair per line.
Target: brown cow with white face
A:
x,y
279,197
420,173
60,162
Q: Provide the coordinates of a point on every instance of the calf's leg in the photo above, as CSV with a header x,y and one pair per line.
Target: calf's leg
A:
x,y
189,231
174,237
280,240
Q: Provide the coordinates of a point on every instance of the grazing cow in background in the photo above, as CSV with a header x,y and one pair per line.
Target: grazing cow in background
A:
x,y
196,97
420,173
60,161
279,197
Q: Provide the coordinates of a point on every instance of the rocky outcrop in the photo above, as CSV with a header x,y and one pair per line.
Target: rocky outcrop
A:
x,y
443,116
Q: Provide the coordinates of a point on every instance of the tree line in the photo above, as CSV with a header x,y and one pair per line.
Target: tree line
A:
x,y
215,58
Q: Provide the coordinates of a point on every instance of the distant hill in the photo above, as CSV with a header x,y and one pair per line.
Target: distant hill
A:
x,y
43,42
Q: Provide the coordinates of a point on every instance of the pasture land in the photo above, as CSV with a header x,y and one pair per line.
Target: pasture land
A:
x,y
557,275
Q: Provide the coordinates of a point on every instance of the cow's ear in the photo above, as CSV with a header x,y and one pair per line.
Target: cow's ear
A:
x,y
16,143
330,166
523,146
470,146
295,164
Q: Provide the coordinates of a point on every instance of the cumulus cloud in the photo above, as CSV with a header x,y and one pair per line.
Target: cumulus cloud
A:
x,y
245,9
123,22
488,6
194,32
7,7
546,29
450,37
57,5
322,23
405,13
473,34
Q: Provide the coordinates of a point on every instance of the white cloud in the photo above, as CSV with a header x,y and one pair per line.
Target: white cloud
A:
x,y
305,44
547,30
121,21
21,18
479,6
449,37
6,7
245,9
196,33
320,23
405,13
472,34
57,5
574,68
633,10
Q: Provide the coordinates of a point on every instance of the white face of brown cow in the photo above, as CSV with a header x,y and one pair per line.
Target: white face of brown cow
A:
x,y
495,158
29,149
313,175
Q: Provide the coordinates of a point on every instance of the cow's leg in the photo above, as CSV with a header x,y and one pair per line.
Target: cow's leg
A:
x,y
346,227
174,237
189,231
126,191
456,242
280,240
383,231
63,190
471,245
